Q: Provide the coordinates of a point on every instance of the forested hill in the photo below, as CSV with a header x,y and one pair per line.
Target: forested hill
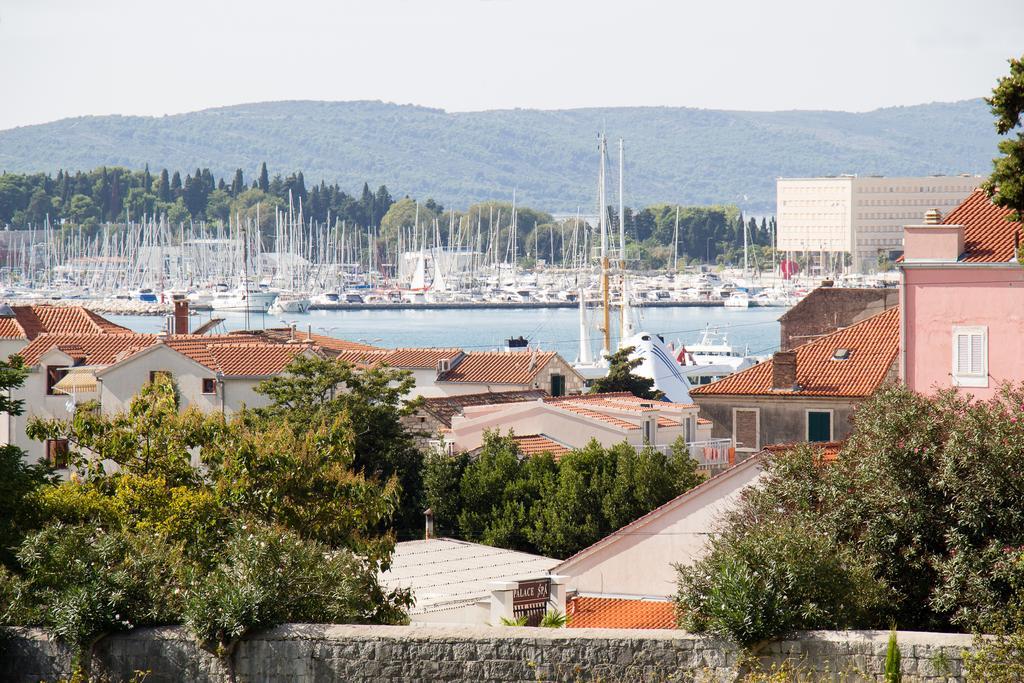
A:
x,y
691,156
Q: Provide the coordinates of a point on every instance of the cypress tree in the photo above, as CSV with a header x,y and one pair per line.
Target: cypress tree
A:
x,y
238,184
163,187
264,180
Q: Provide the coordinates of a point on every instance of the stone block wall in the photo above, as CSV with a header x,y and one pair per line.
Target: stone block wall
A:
x,y
304,653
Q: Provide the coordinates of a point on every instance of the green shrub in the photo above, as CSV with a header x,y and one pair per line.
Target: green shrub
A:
x,y
757,586
270,576
553,619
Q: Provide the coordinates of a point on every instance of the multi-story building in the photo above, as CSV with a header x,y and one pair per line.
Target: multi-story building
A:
x,y
852,223
961,294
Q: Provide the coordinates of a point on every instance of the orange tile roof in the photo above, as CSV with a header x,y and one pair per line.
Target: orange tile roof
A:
x,y
535,444
829,449
581,409
598,612
412,358
87,349
31,321
234,355
281,335
988,235
873,344
498,367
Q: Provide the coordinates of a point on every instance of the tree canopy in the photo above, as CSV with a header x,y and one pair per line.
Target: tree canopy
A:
x,y
1006,184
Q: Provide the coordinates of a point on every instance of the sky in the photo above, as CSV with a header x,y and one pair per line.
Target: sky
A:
x,y
62,58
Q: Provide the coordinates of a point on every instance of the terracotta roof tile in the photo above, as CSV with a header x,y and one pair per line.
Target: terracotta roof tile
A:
x,y
598,612
829,449
444,408
89,349
31,321
282,335
988,235
536,444
873,344
412,358
499,367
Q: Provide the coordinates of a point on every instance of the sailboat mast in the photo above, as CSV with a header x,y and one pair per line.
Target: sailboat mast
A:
x,y
622,244
602,218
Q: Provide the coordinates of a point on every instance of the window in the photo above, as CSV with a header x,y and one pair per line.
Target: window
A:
x,y
746,428
558,385
970,356
54,374
819,426
648,431
57,453
154,375
209,385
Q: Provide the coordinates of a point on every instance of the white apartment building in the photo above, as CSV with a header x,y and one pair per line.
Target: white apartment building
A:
x,y
847,222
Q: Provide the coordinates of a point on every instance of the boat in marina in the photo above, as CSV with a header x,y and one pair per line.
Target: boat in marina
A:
x,y
738,299
244,297
711,358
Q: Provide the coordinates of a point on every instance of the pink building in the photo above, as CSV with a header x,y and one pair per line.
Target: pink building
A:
x,y
962,300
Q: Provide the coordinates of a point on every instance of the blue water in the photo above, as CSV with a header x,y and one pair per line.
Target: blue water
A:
x,y
757,329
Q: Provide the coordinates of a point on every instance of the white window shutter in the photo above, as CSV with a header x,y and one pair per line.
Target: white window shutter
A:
x,y
977,354
963,354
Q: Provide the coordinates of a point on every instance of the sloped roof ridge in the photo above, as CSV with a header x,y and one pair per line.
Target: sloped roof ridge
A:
x,y
757,380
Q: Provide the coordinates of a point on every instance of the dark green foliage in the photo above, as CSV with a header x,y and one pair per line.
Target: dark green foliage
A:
x,y
691,156
269,577
554,508
1006,184
620,377
19,511
754,587
107,193
926,495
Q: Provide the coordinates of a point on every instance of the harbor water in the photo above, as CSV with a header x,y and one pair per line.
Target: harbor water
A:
x,y
753,329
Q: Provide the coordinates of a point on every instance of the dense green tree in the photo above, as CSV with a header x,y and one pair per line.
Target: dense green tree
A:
x,y
263,182
926,495
317,391
620,377
1006,184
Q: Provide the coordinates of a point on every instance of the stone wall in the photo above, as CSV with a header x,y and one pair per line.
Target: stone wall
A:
x,y
303,653
827,309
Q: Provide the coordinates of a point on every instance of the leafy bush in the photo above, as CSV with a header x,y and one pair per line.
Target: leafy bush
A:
x,y
83,582
270,576
892,672
752,587
926,498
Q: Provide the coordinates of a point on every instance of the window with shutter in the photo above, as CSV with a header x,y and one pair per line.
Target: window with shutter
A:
x,y
970,356
745,429
819,426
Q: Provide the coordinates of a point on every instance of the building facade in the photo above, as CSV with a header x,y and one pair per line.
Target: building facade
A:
x,y
850,223
963,323
807,394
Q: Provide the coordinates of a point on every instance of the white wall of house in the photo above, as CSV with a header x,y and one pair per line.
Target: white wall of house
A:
x,y
571,429
38,404
121,382
638,559
11,346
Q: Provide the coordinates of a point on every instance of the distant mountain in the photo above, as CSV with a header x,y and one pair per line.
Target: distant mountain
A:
x,y
693,156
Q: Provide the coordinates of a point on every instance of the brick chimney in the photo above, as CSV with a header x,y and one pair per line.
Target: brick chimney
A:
x,y
180,314
784,371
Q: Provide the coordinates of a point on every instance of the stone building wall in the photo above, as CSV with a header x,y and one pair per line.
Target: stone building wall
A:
x,y
304,653
827,309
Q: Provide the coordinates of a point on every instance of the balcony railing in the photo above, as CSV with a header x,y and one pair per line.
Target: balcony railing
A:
x,y
712,454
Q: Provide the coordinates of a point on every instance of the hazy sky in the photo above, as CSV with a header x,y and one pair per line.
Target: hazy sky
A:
x,y
62,58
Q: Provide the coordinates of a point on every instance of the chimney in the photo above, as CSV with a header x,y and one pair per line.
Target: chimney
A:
x,y
180,314
428,515
933,241
784,371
